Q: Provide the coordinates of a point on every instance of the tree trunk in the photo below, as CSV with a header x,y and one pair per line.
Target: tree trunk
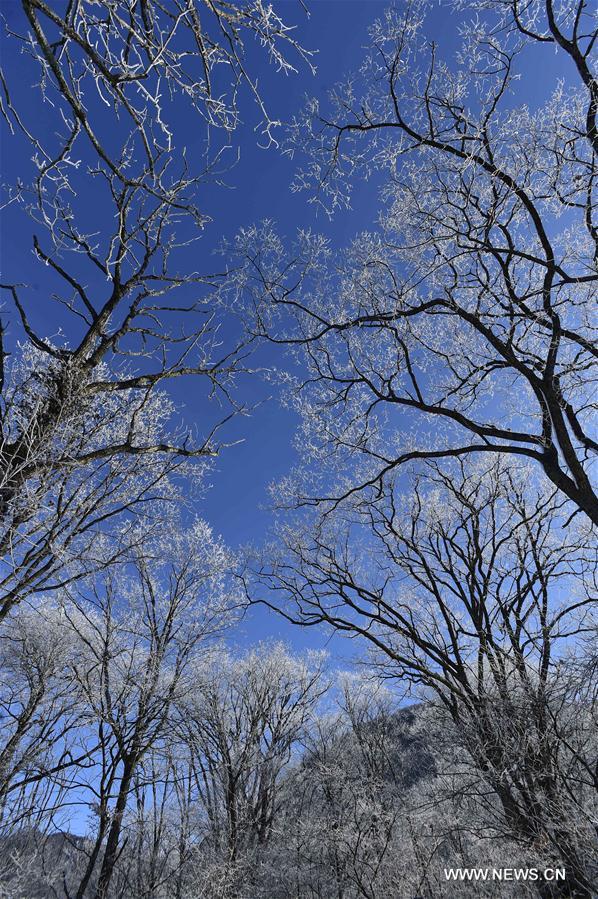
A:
x,y
112,843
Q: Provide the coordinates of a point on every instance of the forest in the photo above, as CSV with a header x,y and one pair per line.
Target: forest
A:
x,y
298,497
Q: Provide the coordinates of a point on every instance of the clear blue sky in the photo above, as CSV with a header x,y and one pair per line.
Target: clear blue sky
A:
x,y
259,187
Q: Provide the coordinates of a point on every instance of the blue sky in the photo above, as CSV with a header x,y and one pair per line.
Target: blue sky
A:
x,y
259,187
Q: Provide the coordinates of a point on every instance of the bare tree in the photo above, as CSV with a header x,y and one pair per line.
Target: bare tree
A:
x,y
40,712
243,725
78,503
464,324
163,854
383,798
93,685
138,644
339,826
461,328
470,594
113,202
